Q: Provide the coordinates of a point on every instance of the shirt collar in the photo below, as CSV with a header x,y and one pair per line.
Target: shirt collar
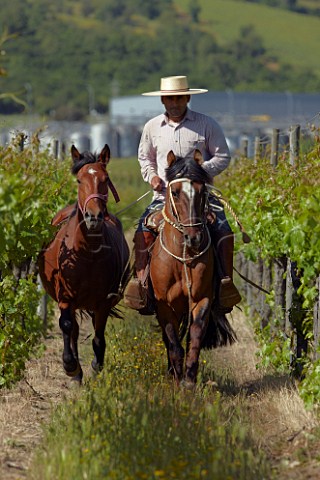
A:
x,y
188,116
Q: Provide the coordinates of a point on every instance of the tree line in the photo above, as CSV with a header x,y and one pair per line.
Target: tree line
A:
x,y
298,6
66,57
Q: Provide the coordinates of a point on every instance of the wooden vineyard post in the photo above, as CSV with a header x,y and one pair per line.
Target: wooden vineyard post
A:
x,y
274,147
279,285
257,150
267,285
244,148
294,145
296,317
289,300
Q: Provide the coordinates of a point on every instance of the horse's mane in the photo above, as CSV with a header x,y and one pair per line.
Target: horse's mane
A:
x,y
187,168
84,159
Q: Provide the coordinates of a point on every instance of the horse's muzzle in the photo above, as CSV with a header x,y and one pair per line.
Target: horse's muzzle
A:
x,y
93,222
193,241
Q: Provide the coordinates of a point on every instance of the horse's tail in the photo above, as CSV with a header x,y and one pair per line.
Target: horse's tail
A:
x,y
219,332
184,326
115,312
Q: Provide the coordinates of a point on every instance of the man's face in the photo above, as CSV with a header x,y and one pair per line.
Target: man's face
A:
x,y
175,105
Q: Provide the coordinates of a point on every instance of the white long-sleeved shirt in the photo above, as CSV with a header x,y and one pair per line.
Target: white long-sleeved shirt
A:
x,y
196,130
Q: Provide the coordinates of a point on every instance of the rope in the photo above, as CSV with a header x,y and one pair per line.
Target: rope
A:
x,y
251,282
185,259
189,285
218,195
132,203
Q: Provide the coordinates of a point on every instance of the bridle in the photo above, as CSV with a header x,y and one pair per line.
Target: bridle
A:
x,y
180,226
102,197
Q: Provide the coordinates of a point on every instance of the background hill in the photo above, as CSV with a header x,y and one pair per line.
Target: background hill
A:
x,y
291,37
69,57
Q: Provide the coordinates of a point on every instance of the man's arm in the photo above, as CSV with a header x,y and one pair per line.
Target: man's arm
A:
x,y
217,147
147,157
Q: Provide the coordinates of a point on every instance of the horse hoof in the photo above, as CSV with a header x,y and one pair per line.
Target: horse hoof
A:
x,y
95,368
188,385
71,370
75,383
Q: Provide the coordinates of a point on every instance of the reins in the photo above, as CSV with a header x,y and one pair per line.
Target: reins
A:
x,y
183,259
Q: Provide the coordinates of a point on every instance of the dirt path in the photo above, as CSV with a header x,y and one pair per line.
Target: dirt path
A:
x,y
27,406
279,422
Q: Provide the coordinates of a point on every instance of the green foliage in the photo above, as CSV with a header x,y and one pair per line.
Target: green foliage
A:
x,y
275,349
280,213
33,185
279,207
125,174
309,387
131,423
20,326
12,96
66,47
277,29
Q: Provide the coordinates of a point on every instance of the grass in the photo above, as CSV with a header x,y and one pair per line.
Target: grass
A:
x,y
293,38
125,174
132,423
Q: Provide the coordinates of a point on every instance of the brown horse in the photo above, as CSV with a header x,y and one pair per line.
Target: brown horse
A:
x,y
182,271
85,265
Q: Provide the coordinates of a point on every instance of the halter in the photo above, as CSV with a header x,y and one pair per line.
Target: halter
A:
x,y
102,197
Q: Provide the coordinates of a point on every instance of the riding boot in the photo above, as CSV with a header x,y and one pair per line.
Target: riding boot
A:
x,y
228,293
138,294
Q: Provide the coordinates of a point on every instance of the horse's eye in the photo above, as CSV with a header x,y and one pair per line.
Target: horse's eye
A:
x,y
78,180
175,194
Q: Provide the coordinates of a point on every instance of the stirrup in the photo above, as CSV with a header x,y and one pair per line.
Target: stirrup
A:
x,y
228,293
135,295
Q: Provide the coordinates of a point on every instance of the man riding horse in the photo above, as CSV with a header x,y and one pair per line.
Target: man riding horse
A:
x,y
181,131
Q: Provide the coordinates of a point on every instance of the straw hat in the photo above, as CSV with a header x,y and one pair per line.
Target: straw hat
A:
x,y
177,85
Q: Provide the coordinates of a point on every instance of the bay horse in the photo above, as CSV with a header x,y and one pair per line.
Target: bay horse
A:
x,y
85,264
182,271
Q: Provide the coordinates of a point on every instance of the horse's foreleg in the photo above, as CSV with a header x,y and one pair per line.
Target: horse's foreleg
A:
x,y
66,322
74,348
175,352
196,334
99,342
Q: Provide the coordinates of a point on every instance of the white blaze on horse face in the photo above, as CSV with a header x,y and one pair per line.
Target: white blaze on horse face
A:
x,y
92,171
188,190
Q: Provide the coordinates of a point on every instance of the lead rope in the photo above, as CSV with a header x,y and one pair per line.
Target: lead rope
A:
x,y
188,282
218,195
245,236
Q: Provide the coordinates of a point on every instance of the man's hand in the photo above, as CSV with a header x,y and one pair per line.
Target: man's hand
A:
x,y
157,184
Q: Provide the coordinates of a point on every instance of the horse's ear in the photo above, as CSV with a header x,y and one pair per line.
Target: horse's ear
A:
x,y
171,158
104,156
75,154
198,157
